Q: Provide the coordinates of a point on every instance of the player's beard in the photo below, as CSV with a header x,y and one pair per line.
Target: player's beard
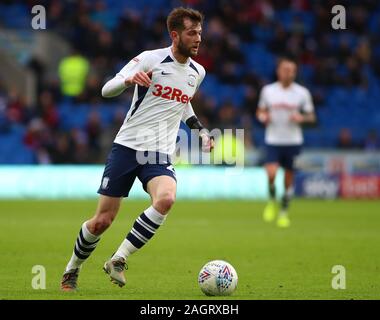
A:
x,y
183,50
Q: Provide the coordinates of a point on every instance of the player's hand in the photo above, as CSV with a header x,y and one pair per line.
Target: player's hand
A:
x,y
264,117
208,141
296,117
141,78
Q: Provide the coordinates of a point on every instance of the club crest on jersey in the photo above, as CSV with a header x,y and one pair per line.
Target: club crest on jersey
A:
x,y
191,80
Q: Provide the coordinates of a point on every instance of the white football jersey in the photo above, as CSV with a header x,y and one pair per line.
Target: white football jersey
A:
x,y
281,103
153,119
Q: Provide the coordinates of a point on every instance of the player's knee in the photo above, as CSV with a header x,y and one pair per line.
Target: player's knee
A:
x,y
271,178
271,175
164,202
101,223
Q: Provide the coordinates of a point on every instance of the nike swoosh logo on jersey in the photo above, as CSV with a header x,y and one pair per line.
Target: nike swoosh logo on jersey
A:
x,y
165,73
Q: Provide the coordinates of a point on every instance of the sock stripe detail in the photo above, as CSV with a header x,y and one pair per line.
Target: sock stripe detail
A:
x,y
86,246
83,248
84,241
83,253
134,240
145,225
139,235
148,221
80,255
143,231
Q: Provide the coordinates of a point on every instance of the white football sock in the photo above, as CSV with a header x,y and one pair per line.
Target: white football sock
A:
x,y
86,243
142,231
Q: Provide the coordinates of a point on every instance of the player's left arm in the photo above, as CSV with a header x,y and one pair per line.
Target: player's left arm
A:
x,y
307,114
304,117
193,122
308,117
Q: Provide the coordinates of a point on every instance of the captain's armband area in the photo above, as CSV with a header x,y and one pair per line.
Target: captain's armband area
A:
x,y
194,123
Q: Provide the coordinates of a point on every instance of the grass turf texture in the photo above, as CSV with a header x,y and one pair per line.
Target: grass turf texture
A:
x,y
272,263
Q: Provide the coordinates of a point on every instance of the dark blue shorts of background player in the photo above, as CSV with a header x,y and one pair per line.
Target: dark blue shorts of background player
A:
x,y
284,155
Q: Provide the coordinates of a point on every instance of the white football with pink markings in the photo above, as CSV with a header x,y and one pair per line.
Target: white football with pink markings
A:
x,y
218,278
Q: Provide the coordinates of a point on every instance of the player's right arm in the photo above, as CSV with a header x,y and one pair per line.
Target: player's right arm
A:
x,y
308,114
137,71
262,112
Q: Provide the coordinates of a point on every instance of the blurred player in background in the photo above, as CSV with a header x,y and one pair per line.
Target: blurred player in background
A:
x,y
283,107
165,80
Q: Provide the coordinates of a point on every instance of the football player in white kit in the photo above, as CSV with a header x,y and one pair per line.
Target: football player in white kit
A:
x,y
165,80
283,107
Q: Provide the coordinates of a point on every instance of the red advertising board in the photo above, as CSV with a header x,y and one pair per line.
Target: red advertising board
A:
x,y
360,186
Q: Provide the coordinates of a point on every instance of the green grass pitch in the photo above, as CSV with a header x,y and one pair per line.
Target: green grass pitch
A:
x,y
272,263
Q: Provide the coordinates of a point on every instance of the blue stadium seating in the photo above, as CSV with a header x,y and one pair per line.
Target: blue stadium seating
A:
x,y
12,148
15,16
354,108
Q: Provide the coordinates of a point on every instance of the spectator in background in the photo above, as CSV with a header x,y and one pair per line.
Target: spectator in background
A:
x,y
39,139
363,52
345,139
250,101
227,116
91,92
358,21
206,59
101,14
109,133
49,113
103,45
228,74
17,110
206,106
355,73
107,37
344,50
93,131
62,151
372,141
73,71
81,150
4,121
279,41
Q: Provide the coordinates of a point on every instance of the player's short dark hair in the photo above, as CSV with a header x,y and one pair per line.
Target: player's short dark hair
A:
x,y
175,20
286,59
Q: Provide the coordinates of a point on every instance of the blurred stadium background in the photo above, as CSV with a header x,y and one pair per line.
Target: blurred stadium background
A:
x,y
52,114
51,110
